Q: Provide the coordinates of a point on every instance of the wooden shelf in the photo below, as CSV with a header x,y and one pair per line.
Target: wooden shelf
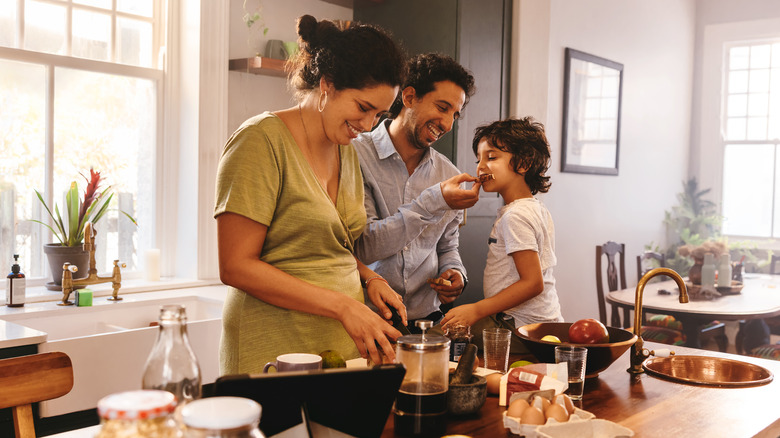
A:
x,y
259,66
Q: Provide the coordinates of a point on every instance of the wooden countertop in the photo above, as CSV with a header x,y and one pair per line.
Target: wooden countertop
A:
x,y
653,407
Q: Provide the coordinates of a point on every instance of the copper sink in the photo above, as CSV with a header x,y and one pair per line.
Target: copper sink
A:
x,y
708,371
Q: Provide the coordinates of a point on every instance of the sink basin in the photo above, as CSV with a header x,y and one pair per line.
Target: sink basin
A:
x,y
109,343
708,371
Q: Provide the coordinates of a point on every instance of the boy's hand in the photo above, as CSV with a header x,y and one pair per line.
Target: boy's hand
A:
x,y
465,314
456,197
448,294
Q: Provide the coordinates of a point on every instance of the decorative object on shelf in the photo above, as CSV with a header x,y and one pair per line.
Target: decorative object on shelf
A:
x,y
70,233
255,26
275,49
591,114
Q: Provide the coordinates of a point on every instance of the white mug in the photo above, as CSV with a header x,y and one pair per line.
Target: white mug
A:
x,y
295,362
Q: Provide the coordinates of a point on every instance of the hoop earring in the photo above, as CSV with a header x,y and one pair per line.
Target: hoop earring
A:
x,y
320,106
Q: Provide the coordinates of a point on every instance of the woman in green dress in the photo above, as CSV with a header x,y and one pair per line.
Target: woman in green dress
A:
x,y
290,206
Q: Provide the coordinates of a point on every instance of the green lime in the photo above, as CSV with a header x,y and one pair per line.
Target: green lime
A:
x,y
551,338
520,363
332,359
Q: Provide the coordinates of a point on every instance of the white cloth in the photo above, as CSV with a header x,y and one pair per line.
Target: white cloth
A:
x,y
524,224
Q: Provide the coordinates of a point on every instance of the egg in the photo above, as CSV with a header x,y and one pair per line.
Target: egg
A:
x,y
557,412
517,407
540,403
531,415
565,401
493,383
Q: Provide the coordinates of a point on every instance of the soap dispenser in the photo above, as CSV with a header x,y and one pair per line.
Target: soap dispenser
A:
x,y
15,285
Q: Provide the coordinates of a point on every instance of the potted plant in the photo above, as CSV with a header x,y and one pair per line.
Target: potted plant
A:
x,y
70,234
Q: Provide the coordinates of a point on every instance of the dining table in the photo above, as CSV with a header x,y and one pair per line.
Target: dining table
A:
x,y
756,297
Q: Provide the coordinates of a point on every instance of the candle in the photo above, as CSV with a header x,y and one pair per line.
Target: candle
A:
x,y
152,267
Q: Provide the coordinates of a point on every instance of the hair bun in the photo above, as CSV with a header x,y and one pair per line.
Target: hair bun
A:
x,y
307,28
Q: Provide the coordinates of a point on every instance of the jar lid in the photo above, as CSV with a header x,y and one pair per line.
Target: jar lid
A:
x,y
427,343
217,413
136,405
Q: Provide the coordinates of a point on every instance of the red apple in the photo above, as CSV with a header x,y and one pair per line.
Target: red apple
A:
x,y
588,331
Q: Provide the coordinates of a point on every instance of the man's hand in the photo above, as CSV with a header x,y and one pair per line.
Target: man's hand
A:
x,y
456,197
448,294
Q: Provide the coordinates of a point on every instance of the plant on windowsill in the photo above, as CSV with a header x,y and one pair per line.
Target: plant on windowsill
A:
x,y
71,233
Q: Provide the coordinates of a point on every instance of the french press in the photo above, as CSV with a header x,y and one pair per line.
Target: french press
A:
x,y
421,405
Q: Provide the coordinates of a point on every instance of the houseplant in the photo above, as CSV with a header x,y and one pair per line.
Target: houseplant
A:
x,y
70,233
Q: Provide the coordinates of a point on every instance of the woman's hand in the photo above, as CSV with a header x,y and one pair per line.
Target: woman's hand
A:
x,y
368,330
381,295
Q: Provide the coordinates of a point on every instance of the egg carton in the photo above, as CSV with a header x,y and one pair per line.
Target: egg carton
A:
x,y
579,416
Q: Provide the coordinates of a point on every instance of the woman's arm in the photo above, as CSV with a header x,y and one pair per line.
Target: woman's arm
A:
x,y
241,240
530,285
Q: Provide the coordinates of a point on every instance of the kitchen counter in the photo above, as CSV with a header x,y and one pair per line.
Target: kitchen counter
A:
x,y
653,407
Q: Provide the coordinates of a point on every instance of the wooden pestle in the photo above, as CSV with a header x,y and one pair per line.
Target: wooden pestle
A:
x,y
465,367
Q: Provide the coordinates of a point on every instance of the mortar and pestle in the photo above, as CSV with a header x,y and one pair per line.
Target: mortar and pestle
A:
x,y
467,392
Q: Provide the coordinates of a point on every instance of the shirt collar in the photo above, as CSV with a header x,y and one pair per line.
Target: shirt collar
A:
x,y
384,145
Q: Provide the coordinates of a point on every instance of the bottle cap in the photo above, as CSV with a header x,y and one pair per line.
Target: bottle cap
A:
x,y
136,405
216,413
15,268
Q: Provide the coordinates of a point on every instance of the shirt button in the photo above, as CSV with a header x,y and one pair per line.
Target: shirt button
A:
x,y
406,248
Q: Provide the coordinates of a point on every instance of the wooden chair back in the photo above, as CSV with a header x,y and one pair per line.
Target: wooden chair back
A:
x,y
648,255
31,379
615,272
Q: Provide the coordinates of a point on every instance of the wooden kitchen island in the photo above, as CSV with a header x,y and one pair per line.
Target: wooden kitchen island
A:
x,y
653,407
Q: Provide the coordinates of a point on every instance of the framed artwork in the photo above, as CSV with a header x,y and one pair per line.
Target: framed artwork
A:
x,y
592,91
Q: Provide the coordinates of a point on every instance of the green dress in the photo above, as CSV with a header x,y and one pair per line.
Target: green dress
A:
x,y
264,176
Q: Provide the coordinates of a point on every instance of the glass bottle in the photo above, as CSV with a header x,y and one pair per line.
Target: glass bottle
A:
x,y
222,417
15,285
172,365
724,271
138,414
460,336
708,271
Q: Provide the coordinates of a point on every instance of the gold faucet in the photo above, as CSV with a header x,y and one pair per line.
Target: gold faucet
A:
x,y
69,284
638,352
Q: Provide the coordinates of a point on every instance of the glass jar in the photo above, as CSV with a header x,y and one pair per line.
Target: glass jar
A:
x,y
138,414
460,336
222,417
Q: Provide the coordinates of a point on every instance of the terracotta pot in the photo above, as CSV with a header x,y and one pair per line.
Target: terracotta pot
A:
x,y
58,255
694,274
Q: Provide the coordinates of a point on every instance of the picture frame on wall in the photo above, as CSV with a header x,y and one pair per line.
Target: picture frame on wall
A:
x,y
592,93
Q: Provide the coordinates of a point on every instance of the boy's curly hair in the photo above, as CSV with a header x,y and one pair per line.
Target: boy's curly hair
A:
x,y
526,141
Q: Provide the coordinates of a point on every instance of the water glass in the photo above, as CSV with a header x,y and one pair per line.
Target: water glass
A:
x,y
496,348
576,358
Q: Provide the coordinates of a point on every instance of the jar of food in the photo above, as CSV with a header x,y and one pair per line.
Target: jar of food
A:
x,y
460,336
222,417
138,414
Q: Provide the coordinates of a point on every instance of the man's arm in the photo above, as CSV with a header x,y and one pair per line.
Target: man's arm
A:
x,y
449,261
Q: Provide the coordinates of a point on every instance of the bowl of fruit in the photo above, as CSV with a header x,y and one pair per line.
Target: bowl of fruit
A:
x,y
604,344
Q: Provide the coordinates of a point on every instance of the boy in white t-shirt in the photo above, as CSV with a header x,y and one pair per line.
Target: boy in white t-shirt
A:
x,y
518,280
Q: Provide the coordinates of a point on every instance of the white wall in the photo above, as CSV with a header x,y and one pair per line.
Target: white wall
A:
x,y
654,41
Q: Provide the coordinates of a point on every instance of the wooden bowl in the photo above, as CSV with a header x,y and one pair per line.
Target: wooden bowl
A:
x,y
600,356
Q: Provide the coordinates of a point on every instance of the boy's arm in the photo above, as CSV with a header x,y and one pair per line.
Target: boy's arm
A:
x,y
530,285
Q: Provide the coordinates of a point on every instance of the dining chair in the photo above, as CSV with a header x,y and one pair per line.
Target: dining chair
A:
x,y
31,379
615,271
713,330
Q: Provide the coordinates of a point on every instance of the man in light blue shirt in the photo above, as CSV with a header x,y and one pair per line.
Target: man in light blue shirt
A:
x,y
413,194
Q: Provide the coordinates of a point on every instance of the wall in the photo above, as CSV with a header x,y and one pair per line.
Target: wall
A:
x,y
654,41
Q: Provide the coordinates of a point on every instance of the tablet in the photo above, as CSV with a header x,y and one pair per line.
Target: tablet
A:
x,y
355,401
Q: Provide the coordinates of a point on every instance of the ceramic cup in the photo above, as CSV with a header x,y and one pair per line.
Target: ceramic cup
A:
x,y
295,362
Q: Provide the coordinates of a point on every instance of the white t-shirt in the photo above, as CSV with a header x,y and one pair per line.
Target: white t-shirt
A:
x,y
524,224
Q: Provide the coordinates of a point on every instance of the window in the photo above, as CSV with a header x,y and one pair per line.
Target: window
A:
x,y
750,129
80,88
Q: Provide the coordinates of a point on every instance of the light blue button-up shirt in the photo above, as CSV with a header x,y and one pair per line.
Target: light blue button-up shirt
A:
x,y
411,234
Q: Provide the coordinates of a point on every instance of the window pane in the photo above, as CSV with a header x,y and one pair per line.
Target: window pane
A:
x,y
108,122
8,23
748,181
91,35
735,128
776,55
758,104
737,105
739,58
134,42
759,56
44,28
22,145
738,82
756,128
105,4
144,8
759,81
